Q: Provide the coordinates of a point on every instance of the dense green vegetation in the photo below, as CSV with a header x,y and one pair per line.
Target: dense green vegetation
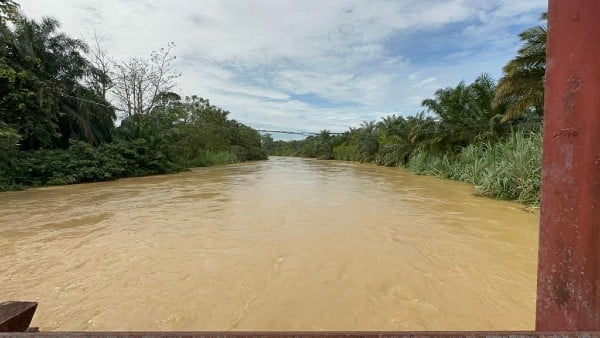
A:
x,y
509,169
60,99
57,124
486,133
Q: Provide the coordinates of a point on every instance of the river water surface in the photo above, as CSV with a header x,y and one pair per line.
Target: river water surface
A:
x,y
284,244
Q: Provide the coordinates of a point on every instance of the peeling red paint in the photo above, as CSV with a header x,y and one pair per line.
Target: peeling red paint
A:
x,y
569,253
566,131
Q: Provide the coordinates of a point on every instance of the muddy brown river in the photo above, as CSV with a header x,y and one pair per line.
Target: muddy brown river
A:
x,y
284,244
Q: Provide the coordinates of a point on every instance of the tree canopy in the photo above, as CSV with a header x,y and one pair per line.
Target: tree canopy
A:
x,y
521,88
57,124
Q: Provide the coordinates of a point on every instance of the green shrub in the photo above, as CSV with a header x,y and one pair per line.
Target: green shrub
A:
x,y
514,169
509,169
209,158
391,155
346,153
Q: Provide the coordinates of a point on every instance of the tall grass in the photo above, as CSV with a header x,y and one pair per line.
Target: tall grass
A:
x,y
510,169
207,158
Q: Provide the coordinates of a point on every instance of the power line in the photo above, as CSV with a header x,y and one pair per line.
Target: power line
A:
x,y
302,133
89,101
436,131
285,132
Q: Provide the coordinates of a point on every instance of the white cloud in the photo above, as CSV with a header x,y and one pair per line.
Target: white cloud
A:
x,y
255,58
511,8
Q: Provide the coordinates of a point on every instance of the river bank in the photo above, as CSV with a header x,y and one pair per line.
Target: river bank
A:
x,y
82,163
159,142
507,168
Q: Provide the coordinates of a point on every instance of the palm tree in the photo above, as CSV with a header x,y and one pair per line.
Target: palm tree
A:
x,y
522,86
8,11
369,143
52,99
422,133
391,127
485,115
394,146
465,113
451,108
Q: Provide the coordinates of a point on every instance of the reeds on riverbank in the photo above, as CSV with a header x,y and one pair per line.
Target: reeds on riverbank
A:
x,y
509,169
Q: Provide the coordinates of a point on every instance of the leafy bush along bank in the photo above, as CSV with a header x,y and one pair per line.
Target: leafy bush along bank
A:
x,y
160,142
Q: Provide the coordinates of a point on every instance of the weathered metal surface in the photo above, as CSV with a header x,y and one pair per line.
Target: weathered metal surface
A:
x,y
268,334
568,296
16,316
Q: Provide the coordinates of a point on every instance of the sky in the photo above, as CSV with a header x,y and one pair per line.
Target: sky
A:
x,y
308,65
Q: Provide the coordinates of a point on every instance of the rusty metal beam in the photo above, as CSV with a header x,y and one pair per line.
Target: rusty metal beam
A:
x,y
16,316
568,296
273,334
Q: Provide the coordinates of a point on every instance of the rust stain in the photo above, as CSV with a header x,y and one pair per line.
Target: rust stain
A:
x,y
574,85
566,132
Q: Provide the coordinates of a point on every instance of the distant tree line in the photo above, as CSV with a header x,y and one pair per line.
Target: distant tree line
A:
x,y
57,121
487,133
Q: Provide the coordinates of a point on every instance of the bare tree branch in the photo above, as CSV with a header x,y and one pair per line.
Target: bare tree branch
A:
x,y
103,67
140,81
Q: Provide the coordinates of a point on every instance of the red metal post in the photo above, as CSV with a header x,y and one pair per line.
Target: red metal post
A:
x,y
568,296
